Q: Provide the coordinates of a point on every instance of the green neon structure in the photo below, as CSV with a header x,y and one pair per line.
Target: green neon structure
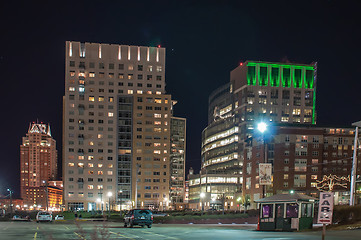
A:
x,y
274,74
269,74
251,75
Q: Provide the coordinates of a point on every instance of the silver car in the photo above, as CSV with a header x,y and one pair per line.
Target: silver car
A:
x,y
44,217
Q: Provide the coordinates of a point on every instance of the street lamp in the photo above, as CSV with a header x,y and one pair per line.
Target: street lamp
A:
x,y
101,204
354,164
202,195
11,199
262,127
109,195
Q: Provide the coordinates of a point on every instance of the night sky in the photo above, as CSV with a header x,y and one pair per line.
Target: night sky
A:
x,y
204,42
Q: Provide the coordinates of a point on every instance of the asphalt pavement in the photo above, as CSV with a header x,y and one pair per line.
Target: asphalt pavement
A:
x,y
107,230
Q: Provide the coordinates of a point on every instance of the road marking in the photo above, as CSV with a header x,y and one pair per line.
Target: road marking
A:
x,y
66,227
162,235
37,228
122,235
36,234
79,235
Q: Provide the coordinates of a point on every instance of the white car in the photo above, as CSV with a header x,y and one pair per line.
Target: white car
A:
x,y
44,217
59,217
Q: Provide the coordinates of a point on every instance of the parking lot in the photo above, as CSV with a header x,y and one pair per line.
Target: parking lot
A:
x,y
106,230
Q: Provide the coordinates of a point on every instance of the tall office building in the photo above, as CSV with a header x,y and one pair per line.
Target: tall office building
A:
x,y
257,92
177,161
116,127
38,164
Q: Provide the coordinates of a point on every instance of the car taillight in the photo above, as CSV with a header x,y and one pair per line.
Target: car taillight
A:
x,y
151,218
132,216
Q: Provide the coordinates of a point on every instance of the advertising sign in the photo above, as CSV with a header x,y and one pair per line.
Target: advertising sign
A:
x,y
265,173
325,208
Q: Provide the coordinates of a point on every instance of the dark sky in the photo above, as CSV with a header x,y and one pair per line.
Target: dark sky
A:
x,y
204,41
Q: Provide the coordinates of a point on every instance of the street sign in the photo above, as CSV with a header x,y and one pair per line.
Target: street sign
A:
x,y
265,174
325,208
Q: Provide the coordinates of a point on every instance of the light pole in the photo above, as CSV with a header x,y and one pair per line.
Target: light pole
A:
x,y
109,196
99,202
354,164
262,127
47,194
11,201
165,204
101,199
202,195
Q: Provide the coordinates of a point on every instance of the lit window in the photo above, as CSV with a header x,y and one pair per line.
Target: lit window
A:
x,y
110,172
156,151
100,135
90,186
130,91
110,165
100,165
157,130
159,68
91,99
100,172
130,76
101,99
90,157
71,89
90,165
91,74
150,68
158,93
81,89
130,67
157,122
91,172
71,164
157,115
110,114
100,187
111,99
81,165
158,100
139,91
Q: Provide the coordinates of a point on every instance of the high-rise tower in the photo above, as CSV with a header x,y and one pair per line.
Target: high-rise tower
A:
x,y
116,127
38,164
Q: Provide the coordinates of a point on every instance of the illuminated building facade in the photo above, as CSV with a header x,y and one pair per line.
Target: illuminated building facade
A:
x,y
177,161
257,92
116,126
302,156
38,163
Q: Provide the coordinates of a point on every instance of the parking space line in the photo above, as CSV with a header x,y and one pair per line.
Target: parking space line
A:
x,y
122,235
79,235
162,235
35,235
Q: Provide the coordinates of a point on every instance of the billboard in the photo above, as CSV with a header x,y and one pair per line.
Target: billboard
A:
x,y
265,173
325,208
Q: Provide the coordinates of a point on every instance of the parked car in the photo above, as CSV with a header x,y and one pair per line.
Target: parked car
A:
x,y
44,217
16,218
140,217
59,217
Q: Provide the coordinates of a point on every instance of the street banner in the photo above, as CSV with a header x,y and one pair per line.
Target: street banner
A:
x,y
265,173
325,208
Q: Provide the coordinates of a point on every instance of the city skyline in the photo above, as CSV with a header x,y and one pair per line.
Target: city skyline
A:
x,y
191,61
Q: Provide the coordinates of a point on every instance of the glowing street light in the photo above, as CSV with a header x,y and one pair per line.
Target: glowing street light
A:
x,y
109,194
202,195
262,127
